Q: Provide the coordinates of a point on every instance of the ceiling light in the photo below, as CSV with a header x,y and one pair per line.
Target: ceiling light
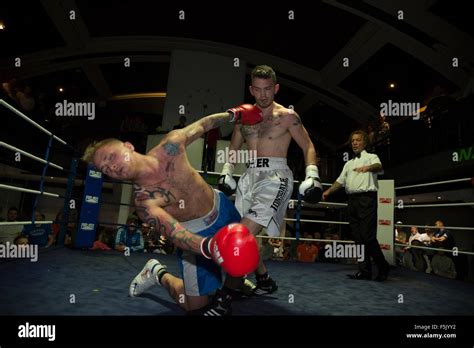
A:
x,y
2,26
60,89
391,85
439,197
413,199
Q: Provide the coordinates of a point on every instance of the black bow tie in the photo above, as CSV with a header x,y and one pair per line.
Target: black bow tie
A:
x,y
356,155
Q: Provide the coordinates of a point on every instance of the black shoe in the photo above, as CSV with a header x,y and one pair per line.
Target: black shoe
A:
x,y
246,290
265,287
383,274
219,307
360,276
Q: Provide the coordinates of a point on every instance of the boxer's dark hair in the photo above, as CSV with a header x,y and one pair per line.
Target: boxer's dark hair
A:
x,y
263,72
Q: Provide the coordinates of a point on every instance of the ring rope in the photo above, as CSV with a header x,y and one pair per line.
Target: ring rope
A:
x,y
12,223
43,174
319,221
435,249
307,239
435,205
433,183
239,175
446,227
29,120
27,154
21,189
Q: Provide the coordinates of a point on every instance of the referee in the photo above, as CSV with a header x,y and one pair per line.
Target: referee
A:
x,y
359,177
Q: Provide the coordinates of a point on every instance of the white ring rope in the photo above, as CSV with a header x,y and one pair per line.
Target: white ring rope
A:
x,y
21,189
239,175
435,249
306,239
26,118
27,154
436,227
435,205
12,223
319,221
433,183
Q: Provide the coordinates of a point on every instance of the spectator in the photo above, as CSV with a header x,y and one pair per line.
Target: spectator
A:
x,y
287,250
319,245
40,234
56,226
277,248
129,236
8,233
413,257
152,244
400,238
100,242
442,238
21,240
425,238
443,266
306,251
266,250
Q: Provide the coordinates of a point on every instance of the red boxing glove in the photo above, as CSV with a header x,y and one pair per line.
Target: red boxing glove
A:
x,y
233,248
246,114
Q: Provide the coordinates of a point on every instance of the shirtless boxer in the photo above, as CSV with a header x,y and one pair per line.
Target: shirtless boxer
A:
x,y
167,190
265,189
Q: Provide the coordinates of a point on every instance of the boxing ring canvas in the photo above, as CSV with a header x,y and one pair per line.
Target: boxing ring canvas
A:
x,y
69,282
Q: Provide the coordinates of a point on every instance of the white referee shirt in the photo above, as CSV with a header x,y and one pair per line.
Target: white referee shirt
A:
x,y
355,182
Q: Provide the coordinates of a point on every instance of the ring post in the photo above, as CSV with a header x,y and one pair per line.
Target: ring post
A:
x,y
298,217
43,174
90,209
67,199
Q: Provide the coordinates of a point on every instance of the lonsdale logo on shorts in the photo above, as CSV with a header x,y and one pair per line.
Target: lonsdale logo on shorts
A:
x,y
75,109
235,156
392,108
281,193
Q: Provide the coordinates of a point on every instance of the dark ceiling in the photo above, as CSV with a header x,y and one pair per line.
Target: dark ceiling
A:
x,y
85,57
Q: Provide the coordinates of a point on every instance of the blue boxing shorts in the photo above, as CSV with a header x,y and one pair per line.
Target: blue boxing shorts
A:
x,y
203,276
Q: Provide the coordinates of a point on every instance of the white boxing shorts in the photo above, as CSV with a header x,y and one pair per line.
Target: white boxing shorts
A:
x,y
264,191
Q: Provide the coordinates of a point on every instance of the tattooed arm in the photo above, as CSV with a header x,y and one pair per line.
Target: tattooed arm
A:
x,y
205,124
158,219
301,136
150,203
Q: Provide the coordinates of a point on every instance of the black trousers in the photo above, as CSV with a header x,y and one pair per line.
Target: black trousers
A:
x,y
362,211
